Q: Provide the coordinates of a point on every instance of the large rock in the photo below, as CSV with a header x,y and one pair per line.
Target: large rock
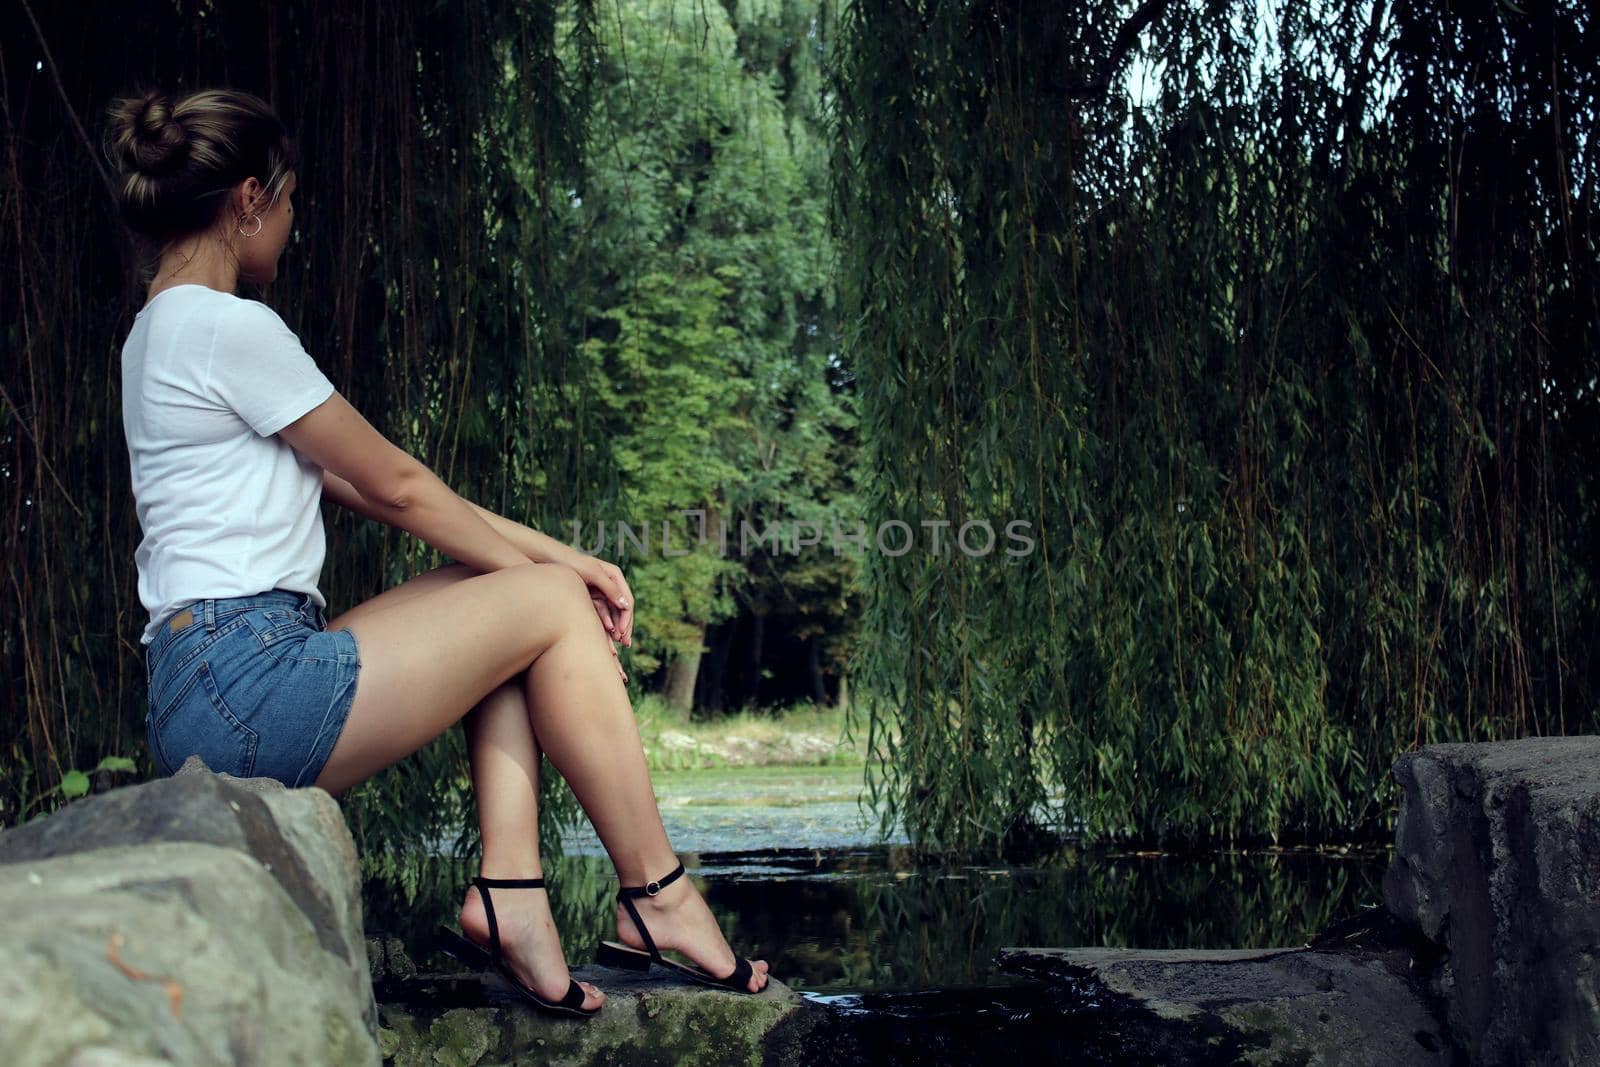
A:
x,y
469,1020
1351,998
1497,861
197,919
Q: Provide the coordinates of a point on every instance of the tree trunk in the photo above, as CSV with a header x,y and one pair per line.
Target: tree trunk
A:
x,y
712,696
844,691
752,668
682,671
819,687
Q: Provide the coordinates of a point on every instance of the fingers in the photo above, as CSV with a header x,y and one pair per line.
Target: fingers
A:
x,y
613,628
620,671
625,605
613,600
608,618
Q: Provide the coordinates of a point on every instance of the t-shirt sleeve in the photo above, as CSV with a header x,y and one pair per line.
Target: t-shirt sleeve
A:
x,y
260,370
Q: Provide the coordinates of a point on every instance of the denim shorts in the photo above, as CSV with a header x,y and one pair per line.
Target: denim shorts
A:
x,y
254,685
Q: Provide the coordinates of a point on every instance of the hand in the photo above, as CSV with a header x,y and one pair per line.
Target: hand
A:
x,y
612,599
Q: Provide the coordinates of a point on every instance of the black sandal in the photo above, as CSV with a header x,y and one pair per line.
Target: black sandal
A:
x,y
615,954
474,955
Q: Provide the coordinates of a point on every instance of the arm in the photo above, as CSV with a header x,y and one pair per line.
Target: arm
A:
x,y
393,487
367,474
538,547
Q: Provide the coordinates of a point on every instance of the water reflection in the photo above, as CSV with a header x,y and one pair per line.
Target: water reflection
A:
x,y
866,919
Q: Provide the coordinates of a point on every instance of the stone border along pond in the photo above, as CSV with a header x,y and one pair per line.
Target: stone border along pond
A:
x,y
204,919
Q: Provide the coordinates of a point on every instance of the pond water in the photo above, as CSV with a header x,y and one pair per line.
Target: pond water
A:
x,y
796,873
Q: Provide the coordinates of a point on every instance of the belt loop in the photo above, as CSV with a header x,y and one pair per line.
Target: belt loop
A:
x,y
209,613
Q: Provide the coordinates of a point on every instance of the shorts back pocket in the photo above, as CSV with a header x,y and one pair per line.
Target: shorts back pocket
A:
x,y
196,721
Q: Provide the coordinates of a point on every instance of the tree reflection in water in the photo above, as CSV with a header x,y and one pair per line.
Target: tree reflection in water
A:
x,y
870,919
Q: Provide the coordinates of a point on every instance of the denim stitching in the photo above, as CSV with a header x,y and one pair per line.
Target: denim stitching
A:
x,y
207,680
270,619
275,635
345,700
153,736
210,639
280,656
170,705
316,746
251,739
277,622
351,657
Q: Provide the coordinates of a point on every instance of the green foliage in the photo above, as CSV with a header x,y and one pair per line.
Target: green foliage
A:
x,y
73,785
507,214
711,328
799,735
1288,366
663,384
423,276
845,927
940,924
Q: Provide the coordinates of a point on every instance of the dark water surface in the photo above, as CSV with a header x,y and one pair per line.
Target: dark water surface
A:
x,y
796,875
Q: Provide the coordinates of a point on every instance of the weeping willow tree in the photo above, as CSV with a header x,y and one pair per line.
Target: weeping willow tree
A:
x,y
1281,336
1282,350
441,146
487,191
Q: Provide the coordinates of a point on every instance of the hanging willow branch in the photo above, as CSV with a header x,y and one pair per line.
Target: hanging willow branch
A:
x,y
1121,45
393,280
1301,424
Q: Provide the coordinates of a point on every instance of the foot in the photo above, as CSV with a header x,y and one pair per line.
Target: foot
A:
x,y
679,919
528,940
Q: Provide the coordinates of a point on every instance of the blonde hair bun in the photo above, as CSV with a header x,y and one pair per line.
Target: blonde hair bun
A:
x,y
148,137
178,157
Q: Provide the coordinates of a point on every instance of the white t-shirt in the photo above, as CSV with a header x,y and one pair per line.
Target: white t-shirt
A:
x,y
227,509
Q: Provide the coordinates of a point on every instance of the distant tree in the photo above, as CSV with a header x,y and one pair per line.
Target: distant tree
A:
x,y
708,331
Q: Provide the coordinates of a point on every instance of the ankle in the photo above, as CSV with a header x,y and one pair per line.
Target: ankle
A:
x,y
671,898
518,864
640,869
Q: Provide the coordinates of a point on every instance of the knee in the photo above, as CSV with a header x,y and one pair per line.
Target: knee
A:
x,y
559,587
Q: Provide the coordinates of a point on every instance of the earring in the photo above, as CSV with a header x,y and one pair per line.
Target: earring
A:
x,y
253,232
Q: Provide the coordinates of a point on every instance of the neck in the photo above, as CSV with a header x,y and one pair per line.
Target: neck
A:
x,y
201,260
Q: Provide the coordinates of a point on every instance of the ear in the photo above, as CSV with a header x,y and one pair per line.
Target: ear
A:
x,y
248,196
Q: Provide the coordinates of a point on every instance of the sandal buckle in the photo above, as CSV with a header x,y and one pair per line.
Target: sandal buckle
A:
x,y
652,888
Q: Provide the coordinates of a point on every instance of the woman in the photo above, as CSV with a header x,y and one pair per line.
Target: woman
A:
x,y
234,438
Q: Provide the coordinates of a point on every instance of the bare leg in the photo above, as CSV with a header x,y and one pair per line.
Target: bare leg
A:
x,y
585,723
505,783
436,647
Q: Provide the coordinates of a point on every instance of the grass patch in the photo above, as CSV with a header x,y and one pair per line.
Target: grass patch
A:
x,y
802,735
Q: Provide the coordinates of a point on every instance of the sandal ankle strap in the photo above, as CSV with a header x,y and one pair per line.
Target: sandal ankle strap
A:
x,y
629,893
650,889
486,884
